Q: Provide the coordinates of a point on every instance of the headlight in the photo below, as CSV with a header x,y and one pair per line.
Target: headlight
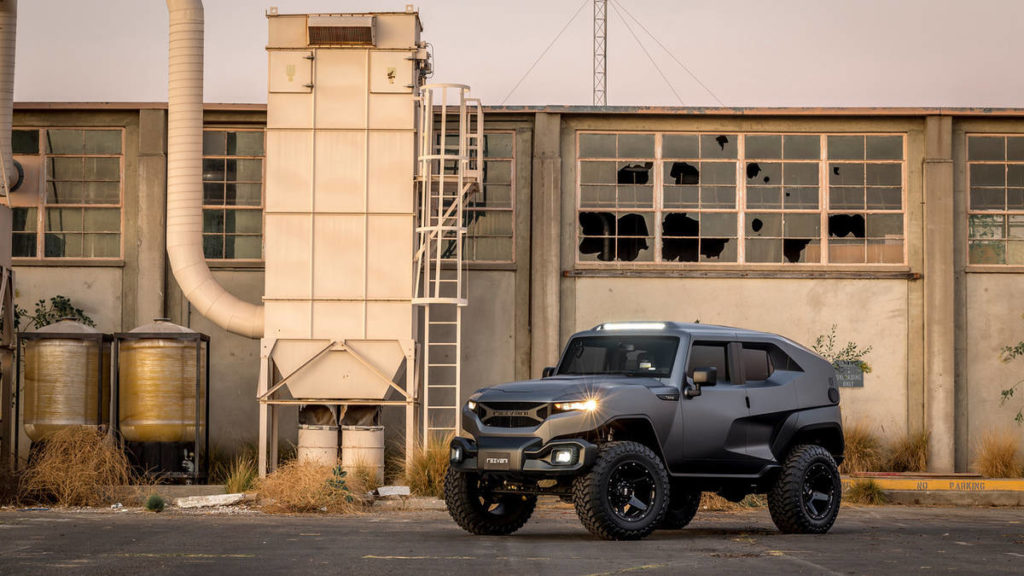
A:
x,y
471,405
584,405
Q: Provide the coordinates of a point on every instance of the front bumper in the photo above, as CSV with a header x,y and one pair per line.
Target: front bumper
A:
x,y
519,455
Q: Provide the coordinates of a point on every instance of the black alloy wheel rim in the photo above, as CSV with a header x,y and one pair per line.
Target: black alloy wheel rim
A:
x,y
489,503
632,491
819,491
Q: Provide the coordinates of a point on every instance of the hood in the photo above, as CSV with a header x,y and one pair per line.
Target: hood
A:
x,y
559,388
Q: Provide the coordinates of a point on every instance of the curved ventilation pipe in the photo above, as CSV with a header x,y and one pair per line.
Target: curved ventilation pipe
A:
x,y
8,28
185,175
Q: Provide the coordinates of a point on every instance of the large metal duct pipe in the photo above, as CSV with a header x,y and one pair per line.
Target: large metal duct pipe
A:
x,y
8,29
185,175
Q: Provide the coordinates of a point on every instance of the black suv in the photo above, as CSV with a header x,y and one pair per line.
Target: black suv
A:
x,y
639,418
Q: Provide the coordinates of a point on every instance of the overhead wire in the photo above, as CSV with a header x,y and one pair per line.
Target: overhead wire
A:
x,y
542,54
649,57
669,52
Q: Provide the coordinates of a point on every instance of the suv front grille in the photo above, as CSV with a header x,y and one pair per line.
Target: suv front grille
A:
x,y
512,414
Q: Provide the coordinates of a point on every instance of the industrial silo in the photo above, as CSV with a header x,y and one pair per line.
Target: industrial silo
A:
x,y
162,398
66,378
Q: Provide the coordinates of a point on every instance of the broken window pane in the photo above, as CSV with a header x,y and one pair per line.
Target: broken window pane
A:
x,y
988,175
991,148
764,174
764,224
682,173
636,146
846,147
846,174
801,250
884,147
988,198
597,146
679,237
718,145
680,146
717,250
800,198
634,172
764,147
846,225
801,147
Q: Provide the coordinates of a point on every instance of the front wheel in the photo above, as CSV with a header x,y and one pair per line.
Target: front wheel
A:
x,y
479,511
625,493
805,498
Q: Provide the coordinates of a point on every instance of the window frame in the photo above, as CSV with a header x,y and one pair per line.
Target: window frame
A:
x,y
41,206
224,207
968,212
511,209
824,210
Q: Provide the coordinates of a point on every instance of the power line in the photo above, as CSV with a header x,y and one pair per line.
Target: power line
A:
x,y
671,55
642,47
539,58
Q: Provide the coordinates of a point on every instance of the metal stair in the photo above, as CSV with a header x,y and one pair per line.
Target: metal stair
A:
x,y
448,172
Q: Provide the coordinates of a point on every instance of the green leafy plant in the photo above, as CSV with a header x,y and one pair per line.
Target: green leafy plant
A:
x,y
826,347
337,482
58,308
155,503
1008,354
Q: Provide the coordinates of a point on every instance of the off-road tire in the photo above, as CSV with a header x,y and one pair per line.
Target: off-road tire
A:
x,y
682,507
471,507
809,470
591,492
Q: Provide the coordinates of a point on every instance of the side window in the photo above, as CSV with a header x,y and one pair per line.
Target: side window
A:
x,y
757,364
709,355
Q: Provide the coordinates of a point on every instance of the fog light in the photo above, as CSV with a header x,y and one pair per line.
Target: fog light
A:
x,y
471,405
563,456
456,455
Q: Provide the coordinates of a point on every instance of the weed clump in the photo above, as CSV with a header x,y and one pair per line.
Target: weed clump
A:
x,y
78,466
908,453
310,487
155,503
998,455
425,470
866,491
863,449
240,475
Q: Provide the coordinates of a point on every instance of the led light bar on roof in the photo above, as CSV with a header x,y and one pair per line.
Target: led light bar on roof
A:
x,y
633,326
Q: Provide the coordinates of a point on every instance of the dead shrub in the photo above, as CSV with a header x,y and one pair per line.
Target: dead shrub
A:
x,y
865,491
240,475
714,502
364,475
863,449
310,487
425,471
998,454
78,466
908,453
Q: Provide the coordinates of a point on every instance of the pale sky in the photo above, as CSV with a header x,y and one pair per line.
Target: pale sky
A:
x,y
748,52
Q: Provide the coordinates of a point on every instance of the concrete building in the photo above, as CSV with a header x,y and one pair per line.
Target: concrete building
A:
x,y
903,227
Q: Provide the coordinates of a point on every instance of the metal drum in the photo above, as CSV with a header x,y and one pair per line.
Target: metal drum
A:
x,y
67,376
161,366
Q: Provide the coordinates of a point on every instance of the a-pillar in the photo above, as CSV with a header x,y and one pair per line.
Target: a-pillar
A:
x,y
545,253
939,301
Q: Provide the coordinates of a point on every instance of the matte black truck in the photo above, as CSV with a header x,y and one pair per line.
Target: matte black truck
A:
x,y
639,418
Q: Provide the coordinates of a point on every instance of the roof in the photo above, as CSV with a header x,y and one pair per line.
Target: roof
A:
x,y
689,328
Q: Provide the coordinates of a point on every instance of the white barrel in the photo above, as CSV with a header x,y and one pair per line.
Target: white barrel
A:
x,y
318,444
363,446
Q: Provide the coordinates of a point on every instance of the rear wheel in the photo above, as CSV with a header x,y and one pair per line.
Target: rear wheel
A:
x,y
479,511
682,507
625,493
805,498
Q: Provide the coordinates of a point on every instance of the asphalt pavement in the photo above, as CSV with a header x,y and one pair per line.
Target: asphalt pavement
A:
x,y
865,540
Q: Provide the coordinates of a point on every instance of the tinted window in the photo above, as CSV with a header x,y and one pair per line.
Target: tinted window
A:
x,y
756,364
630,355
709,355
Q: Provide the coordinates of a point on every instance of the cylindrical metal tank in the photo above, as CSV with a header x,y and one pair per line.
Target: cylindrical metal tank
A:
x,y
318,444
158,368
363,446
67,378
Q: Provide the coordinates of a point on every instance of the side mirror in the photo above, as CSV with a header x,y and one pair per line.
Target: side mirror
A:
x,y
705,376
548,371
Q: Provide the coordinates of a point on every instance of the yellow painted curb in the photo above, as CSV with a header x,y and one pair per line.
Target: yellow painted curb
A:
x,y
944,484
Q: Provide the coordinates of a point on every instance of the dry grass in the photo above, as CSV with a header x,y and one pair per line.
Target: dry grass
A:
x,y
999,455
714,502
240,475
364,475
425,474
78,466
863,449
865,491
310,487
8,487
908,453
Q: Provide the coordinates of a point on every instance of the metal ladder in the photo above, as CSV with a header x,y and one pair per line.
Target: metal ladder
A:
x,y
449,171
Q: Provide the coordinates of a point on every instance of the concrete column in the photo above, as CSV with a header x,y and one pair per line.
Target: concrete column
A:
x,y
939,309
545,253
151,217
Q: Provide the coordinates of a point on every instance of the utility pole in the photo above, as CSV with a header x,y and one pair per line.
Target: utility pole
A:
x,y
600,49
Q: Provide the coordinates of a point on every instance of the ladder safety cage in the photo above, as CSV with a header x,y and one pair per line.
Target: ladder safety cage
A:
x,y
449,171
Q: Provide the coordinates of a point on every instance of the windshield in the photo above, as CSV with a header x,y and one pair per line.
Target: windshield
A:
x,y
630,355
